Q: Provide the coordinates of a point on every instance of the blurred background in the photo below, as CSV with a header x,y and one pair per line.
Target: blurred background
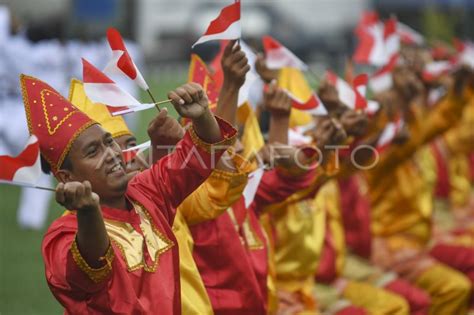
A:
x,y
160,34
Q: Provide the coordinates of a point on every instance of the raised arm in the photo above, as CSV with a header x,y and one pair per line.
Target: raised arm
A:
x,y
234,66
172,178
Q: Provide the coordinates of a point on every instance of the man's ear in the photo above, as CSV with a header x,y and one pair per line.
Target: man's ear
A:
x,y
64,176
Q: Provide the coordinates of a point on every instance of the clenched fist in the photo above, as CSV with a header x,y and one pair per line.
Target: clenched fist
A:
x,y
190,100
77,196
265,73
354,123
328,132
165,130
277,101
234,65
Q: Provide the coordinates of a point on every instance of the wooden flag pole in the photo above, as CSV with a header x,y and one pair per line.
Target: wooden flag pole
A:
x,y
154,101
162,102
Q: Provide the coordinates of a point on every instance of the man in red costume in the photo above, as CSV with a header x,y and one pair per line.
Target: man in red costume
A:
x,y
115,252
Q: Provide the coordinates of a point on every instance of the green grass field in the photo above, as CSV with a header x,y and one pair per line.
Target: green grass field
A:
x,y
23,289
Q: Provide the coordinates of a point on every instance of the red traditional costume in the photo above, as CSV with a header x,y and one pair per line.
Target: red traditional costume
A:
x,y
231,251
142,271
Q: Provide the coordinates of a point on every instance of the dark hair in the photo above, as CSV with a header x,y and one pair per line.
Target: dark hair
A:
x,y
46,167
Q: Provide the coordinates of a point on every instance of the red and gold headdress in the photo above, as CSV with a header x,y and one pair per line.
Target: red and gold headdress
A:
x,y
53,119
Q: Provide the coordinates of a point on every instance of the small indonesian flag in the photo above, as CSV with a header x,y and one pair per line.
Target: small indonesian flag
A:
x,y
278,56
297,139
24,168
435,69
130,153
225,26
121,61
350,96
465,53
378,41
101,89
382,80
389,132
408,35
313,105
253,182
391,38
371,47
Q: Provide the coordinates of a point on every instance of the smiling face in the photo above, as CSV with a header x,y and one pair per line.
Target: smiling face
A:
x,y
96,157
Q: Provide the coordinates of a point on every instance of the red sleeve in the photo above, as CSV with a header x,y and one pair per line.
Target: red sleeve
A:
x,y
277,185
67,281
171,179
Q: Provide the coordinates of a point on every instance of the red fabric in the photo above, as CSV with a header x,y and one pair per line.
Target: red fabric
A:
x,y
355,209
235,275
160,190
442,187
390,27
199,73
364,49
269,43
227,17
458,257
327,272
360,81
91,74
312,102
52,119
352,310
125,63
418,299
27,158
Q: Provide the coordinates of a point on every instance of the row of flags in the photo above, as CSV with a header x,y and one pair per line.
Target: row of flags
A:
x,y
379,46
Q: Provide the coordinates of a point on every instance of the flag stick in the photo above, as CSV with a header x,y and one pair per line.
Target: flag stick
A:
x,y
27,185
162,102
153,99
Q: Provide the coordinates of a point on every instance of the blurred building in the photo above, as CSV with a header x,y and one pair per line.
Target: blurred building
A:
x,y
319,31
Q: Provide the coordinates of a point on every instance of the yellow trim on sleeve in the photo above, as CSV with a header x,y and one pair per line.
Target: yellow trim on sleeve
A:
x,y
97,275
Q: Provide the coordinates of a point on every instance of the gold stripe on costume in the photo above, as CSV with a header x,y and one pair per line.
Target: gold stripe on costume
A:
x,y
95,274
130,242
208,146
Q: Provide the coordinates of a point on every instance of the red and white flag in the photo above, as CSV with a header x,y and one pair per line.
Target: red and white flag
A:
x,y
435,69
101,89
250,189
350,96
24,169
371,47
225,26
121,61
378,41
130,153
278,56
296,138
408,35
465,53
382,80
391,38
313,105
